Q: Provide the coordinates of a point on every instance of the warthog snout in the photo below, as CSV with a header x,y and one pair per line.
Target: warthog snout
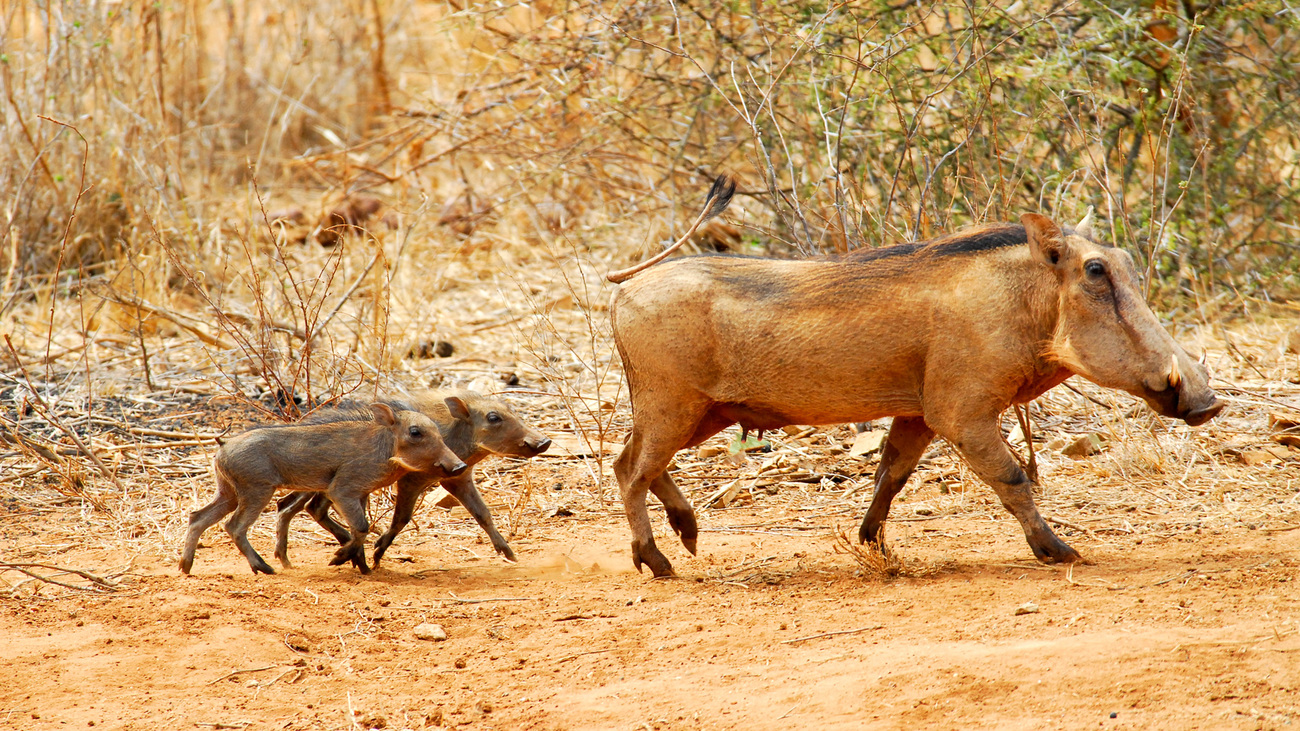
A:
x,y
538,445
454,468
1184,393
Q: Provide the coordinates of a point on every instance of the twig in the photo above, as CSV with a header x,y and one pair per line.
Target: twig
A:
x,y
833,634
567,658
58,423
1071,526
100,585
232,674
495,599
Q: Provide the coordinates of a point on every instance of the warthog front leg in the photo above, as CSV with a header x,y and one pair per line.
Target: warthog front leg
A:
x,y
463,489
980,442
908,438
409,489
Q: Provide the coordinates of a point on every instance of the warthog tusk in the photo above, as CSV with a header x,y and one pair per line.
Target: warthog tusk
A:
x,y
1084,228
1174,377
402,464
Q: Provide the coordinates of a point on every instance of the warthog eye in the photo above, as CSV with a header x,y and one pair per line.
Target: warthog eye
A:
x,y
493,417
415,432
1095,268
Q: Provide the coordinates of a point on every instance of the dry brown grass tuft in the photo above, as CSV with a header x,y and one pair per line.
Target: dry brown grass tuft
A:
x,y
876,561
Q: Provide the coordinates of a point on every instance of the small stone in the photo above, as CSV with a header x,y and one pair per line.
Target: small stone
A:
x,y
1017,435
1280,451
1084,446
460,663
1027,608
923,510
866,443
432,632
1254,457
708,452
1113,714
483,707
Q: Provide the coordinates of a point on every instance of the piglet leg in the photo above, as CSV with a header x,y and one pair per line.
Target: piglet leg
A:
x,y
463,489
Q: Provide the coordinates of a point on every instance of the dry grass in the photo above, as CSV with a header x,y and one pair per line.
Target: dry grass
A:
x,y
168,174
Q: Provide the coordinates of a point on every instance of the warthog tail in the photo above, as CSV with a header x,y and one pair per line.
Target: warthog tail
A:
x,y
724,188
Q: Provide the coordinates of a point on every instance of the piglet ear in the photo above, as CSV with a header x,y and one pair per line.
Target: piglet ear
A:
x,y
458,408
384,415
1045,239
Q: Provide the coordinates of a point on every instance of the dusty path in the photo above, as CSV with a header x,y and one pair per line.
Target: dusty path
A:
x,y
1193,631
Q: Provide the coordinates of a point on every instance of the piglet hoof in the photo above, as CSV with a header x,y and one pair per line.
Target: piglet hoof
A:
x,y
381,547
284,561
689,543
354,554
507,553
262,567
650,556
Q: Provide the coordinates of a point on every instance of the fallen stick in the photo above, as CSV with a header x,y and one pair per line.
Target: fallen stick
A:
x,y
567,658
496,599
833,634
100,584
232,674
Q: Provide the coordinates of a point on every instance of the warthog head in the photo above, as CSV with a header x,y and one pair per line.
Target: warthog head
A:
x,y
1106,333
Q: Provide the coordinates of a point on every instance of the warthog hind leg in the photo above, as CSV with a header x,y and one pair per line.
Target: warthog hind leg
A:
x,y
203,518
908,438
681,516
252,499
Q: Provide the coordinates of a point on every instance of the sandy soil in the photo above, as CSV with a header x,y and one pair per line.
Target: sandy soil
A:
x,y
1192,629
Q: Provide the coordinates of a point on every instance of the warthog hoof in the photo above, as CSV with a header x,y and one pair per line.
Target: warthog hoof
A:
x,y
355,554
261,567
869,532
684,525
380,547
649,555
507,553
1055,551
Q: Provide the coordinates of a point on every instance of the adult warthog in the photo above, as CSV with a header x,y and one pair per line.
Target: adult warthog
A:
x,y
943,336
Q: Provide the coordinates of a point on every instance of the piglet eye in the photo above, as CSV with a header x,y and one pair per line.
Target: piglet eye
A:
x,y
415,432
493,417
1095,268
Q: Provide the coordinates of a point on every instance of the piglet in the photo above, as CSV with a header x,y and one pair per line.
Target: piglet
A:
x,y
346,460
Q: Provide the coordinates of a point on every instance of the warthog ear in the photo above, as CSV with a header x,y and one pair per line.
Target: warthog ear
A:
x,y
1045,239
458,408
383,414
